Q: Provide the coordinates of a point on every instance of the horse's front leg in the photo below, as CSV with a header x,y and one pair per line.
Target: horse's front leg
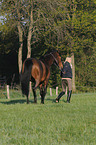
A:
x,y
27,99
34,93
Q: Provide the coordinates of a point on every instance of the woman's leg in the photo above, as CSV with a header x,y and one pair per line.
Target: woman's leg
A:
x,y
64,84
69,90
69,96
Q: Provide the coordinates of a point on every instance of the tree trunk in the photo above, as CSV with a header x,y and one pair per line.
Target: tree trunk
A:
x,y
73,9
73,73
30,34
20,48
29,43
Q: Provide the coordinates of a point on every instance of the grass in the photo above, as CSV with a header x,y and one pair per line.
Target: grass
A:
x,y
51,123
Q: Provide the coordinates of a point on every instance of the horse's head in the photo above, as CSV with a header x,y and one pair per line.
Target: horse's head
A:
x,y
57,59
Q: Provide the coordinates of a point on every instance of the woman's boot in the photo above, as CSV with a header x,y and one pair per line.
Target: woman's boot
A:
x,y
60,95
69,96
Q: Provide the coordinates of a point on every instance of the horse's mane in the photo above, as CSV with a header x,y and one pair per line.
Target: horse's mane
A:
x,y
47,53
51,51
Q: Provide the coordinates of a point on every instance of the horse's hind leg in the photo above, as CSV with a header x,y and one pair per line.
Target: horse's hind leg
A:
x,y
37,81
34,93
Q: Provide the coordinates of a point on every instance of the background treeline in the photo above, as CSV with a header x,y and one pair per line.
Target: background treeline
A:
x,y
30,28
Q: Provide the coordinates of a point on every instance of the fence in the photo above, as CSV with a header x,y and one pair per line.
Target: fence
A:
x,y
50,90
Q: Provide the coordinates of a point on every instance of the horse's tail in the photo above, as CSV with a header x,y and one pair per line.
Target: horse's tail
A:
x,y
25,76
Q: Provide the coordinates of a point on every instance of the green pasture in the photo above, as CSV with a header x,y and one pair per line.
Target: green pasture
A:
x,y
48,124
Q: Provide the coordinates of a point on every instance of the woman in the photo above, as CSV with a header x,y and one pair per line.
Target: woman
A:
x,y
66,75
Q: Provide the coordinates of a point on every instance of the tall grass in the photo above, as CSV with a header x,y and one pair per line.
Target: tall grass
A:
x,y
51,123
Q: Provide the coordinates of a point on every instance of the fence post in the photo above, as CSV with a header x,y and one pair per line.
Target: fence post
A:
x,y
57,91
50,92
8,96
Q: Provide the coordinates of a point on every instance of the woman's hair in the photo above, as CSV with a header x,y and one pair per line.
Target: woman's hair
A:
x,y
67,59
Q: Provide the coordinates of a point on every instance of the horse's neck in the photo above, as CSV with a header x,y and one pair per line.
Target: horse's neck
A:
x,y
49,60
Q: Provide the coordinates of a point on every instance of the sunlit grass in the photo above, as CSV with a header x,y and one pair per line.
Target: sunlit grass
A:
x,y
51,123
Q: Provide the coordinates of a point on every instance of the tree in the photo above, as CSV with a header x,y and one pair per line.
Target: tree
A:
x,y
85,30
68,26
11,12
29,15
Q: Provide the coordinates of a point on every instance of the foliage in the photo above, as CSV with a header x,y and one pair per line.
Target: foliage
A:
x,y
51,123
68,26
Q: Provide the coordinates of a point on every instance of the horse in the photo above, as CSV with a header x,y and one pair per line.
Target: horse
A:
x,y
38,72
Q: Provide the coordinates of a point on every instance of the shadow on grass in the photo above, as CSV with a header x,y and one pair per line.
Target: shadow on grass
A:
x,y
24,101
49,99
54,100
21,101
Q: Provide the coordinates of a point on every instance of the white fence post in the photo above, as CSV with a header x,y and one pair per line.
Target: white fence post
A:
x,y
50,92
57,91
8,96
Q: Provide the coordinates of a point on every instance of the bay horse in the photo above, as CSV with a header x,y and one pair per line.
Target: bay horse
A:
x,y
38,72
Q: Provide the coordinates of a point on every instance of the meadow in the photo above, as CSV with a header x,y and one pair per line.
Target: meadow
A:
x,y
50,123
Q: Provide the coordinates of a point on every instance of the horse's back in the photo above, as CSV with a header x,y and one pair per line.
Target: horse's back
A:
x,y
39,71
